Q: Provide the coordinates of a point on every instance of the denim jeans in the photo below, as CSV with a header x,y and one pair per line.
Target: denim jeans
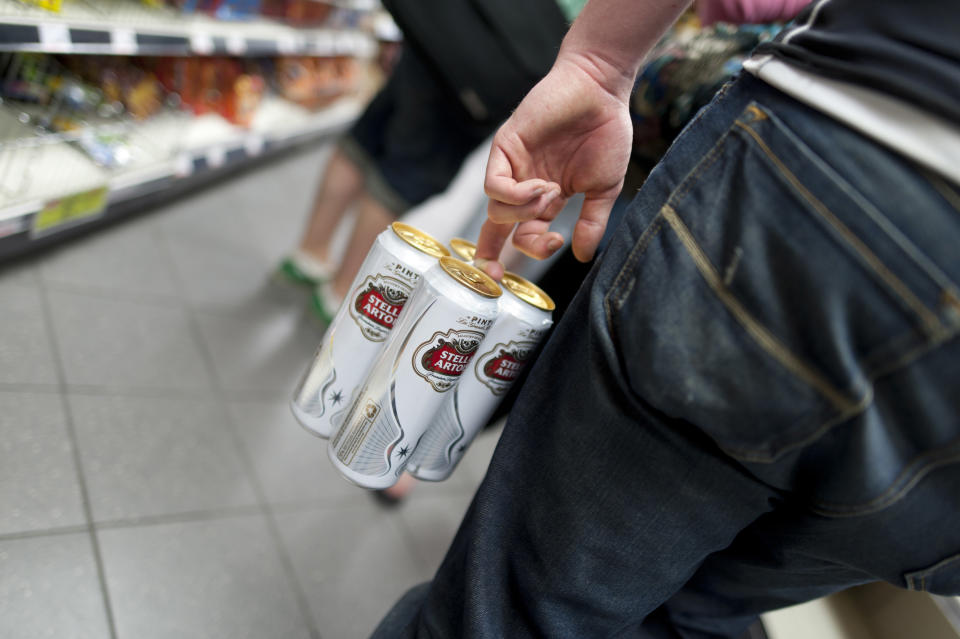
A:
x,y
753,401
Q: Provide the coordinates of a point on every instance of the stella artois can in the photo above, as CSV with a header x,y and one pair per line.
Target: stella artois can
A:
x,y
437,336
464,249
391,270
525,317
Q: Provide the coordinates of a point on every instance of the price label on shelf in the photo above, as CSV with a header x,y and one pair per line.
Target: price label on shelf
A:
x,y
123,41
236,44
324,44
288,44
183,165
253,144
201,43
55,37
68,211
216,156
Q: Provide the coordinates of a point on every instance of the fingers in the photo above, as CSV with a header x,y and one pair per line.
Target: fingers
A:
x,y
535,239
590,227
489,245
512,200
539,206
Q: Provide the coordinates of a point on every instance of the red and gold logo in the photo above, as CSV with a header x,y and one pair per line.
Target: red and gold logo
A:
x,y
442,360
500,367
377,303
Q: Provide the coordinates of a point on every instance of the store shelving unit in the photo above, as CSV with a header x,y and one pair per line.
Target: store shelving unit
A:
x,y
49,188
128,28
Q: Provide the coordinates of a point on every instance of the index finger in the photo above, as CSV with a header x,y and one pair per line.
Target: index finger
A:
x,y
489,244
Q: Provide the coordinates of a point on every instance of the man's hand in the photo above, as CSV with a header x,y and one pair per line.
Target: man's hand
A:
x,y
571,134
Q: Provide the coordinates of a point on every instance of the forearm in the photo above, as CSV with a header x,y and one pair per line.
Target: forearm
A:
x,y
610,38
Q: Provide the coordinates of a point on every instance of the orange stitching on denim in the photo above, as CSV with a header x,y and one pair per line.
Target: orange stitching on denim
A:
x,y
756,112
906,358
931,323
764,338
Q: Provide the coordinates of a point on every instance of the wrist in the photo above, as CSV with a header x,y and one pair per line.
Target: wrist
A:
x,y
611,75
611,37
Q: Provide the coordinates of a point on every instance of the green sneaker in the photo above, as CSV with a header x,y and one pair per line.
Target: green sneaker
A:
x,y
302,268
325,303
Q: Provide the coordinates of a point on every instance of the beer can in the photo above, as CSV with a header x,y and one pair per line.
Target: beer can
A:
x,y
438,334
525,317
463,249
387,277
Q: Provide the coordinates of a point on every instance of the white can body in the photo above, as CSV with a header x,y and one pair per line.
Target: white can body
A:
x,y
386,279
502,355
438,334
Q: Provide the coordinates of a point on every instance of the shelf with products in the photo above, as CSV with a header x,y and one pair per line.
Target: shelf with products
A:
x,y
80,139
129,27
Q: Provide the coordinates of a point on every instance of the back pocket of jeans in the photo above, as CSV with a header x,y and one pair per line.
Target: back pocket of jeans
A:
x,y
755,313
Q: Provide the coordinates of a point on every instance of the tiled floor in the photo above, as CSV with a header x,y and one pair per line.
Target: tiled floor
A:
x,y
152,481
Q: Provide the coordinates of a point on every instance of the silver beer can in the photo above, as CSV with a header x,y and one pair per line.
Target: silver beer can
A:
x,y
387,277
526,314
437,336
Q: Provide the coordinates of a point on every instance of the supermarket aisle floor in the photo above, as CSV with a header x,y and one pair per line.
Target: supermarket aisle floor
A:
x,y
152,481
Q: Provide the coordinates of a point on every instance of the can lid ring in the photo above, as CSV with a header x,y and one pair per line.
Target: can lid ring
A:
x,y
464,249
419,240
471,277
527,291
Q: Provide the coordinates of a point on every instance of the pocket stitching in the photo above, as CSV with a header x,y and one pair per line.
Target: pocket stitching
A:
x,y
923,573
930,323
617,290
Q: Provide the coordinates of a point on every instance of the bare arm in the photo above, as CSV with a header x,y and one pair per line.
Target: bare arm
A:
x,y
572,132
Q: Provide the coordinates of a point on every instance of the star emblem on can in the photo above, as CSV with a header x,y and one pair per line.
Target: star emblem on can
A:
x,y
336,397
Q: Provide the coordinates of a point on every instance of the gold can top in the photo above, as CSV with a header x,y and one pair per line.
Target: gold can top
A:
x,y
465,249
471,277
527,291
419,240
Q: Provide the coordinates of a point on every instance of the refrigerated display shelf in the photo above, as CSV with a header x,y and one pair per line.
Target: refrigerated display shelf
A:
x,y
49,189
125,27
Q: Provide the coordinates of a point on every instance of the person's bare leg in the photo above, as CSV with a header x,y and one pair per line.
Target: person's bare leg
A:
x,y
372,218
340,187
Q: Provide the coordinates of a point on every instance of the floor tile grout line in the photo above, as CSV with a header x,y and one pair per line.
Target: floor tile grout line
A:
x,y
43,532
273,527
151,299
150,392
303,604
211,514
77,460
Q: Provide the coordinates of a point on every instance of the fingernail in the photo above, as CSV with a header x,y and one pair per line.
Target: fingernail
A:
x,y
553,245
480,263
551,196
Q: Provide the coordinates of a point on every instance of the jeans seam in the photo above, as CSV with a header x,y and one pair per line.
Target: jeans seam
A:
x,y
944,189
635,254
899,487
923,573
930,323
905,359
760,334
